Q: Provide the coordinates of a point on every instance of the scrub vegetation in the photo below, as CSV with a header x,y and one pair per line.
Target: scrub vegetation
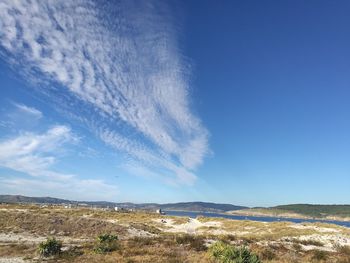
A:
x,y
31,233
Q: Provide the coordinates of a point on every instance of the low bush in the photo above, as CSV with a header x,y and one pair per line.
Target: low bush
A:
x,y
225,253
309,242
344,250
141,241
297,247
194,242
228,238
267,254
106,243
319,255
50,247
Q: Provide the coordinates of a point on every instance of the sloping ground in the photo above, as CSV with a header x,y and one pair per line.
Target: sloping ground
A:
x,y
149,237
44,224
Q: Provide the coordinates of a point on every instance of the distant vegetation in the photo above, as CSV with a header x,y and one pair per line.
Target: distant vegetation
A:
x,y
316,210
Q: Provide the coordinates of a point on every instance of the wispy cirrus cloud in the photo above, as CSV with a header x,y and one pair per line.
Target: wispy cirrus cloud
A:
x,y
33,112
122,61
16,117
34,154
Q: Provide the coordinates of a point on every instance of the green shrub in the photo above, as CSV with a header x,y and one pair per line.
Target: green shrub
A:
x,y
50,247
106,243
226,253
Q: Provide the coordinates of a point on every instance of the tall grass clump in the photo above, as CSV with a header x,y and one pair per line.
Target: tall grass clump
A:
x,y
344,250
106,243
225,253
50,247
319,255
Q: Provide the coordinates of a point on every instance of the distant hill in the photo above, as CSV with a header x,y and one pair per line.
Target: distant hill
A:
x,y
184,206
26,199
336,212
316,210
15,199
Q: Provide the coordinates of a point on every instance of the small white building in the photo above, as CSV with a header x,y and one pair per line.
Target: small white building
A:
x,y
159,211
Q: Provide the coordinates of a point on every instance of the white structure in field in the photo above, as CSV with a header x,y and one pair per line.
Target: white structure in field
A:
x,y
159,211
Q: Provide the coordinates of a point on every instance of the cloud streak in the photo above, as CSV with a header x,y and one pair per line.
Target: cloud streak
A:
x,y
33,112
123,63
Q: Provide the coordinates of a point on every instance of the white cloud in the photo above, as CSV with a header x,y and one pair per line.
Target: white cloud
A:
x,y
34,154
74,188
161,164
17,117
33,112
122,61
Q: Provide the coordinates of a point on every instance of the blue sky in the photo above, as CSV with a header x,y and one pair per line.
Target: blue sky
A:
x,y
243,102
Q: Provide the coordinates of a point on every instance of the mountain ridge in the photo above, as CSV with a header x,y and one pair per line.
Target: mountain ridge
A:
x,y
180,206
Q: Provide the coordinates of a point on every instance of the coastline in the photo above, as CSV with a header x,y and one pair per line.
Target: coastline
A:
x,y
287,215
267,214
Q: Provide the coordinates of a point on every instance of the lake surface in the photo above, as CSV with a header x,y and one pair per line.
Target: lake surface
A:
x,y
254,218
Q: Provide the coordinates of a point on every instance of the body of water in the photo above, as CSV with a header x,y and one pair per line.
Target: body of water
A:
x,y
254,218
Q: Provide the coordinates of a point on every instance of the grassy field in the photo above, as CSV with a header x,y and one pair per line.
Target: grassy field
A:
x,y
150,237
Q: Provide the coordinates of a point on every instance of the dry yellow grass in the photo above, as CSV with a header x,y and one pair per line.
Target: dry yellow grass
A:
x,y
161,246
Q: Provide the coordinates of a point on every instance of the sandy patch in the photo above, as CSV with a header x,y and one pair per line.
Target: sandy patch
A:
x,y
28,238
316,228
133,232
86,216
15,209
12,260
191,227
329,240
266,213
113,221
23,238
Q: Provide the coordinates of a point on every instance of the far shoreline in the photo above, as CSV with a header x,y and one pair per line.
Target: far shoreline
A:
x,y
287,215
332,220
